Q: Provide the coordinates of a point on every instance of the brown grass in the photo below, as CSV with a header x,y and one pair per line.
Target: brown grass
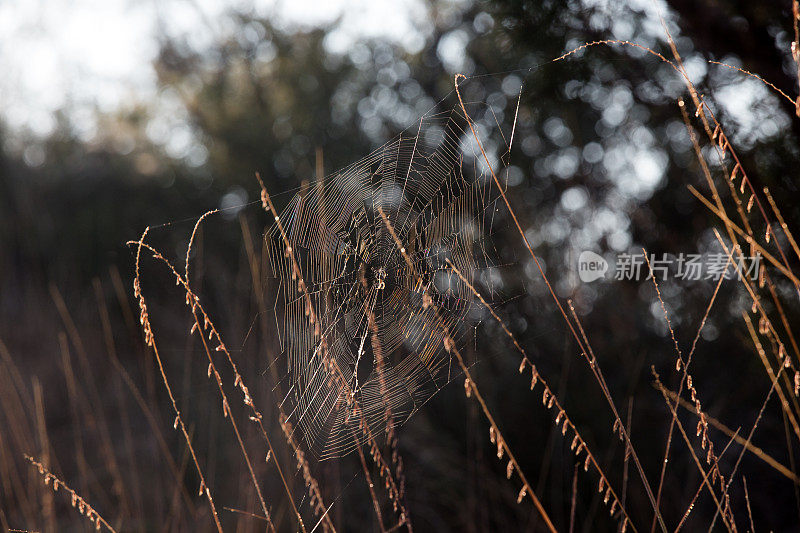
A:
x,y
730,196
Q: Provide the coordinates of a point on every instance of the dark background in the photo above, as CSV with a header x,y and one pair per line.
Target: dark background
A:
x,y
601,161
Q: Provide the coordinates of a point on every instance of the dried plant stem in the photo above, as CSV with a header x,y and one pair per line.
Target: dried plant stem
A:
x,y
749,446
332,367
231,418
549,397
711,472
371,486
470,386
581,340
150,341
207,325
774,386
756,76
685,377
786,362
44,445
77,501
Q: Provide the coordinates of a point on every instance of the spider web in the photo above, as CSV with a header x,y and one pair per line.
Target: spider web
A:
x,y
438,207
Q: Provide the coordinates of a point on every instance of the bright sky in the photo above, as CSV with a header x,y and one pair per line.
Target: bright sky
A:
x,y
87,53
96,54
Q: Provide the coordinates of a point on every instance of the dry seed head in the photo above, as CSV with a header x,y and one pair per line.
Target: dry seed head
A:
x,y
522,492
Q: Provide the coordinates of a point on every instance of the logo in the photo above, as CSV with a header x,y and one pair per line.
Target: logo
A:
x,y
591,266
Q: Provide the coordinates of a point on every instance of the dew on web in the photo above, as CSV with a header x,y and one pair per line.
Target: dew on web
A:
x,y
441,208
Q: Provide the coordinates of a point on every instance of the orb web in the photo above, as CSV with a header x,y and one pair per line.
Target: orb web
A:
x,y
351,265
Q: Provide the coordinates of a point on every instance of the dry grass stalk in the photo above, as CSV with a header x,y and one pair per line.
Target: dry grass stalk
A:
x,y
582,340
333,370
549,399
749,446
683,365
77,501
470,387
144,319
